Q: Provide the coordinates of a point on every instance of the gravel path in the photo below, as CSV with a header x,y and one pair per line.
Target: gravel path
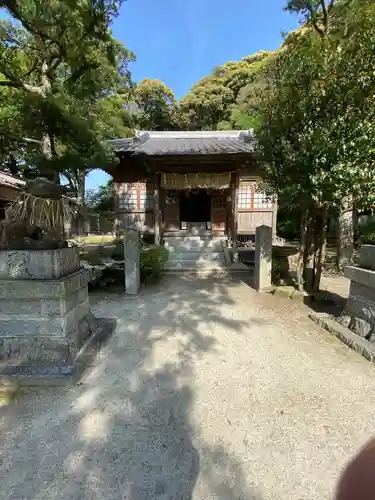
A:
x,y
207,390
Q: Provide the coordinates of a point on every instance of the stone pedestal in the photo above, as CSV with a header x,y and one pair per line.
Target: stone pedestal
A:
x,y
38,264
45,315
360,306
132,264
263,258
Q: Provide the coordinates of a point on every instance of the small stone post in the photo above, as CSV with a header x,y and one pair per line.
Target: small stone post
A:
x,y
263,258
132,264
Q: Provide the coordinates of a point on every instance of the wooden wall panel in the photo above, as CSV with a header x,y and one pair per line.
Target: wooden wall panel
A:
x,y
248,221
170,208
219,211
8,193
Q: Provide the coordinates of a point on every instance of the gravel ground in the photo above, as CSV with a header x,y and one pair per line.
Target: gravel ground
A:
x,y
206,390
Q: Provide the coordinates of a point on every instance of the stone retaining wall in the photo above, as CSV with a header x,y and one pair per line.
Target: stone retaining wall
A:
x,y
360,306
44,322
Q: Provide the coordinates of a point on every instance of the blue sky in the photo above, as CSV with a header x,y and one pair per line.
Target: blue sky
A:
x,y
180,41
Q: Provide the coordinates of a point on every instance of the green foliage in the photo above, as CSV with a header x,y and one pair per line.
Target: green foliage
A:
x,y
101,200
219,101
152,261
366,233
289,223
316,139
118,251
155,105
62,82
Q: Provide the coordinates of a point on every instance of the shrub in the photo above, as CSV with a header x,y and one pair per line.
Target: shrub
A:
x,y
118,251
93,257
152,260
366,233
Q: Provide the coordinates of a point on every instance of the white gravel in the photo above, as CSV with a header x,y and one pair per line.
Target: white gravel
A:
x,y
206,390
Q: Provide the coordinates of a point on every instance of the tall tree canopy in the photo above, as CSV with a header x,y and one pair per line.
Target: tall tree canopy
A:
x,y
61,74
316,137
223,99
155,105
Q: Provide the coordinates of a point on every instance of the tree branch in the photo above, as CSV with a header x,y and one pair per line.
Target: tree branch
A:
x,y
318,28
20,85
325,15
7,83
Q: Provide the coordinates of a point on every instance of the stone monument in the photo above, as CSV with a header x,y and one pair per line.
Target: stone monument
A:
x,y
263,258
360,307
132,264
46,324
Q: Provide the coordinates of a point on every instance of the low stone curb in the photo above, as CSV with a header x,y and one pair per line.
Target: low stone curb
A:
x,y
290,292
355,342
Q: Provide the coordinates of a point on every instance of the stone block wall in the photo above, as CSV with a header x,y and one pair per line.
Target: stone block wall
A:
x,y
360,306
45,322
38,264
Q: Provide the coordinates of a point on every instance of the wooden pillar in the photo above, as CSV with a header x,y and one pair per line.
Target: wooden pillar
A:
x,y
157,218
234,186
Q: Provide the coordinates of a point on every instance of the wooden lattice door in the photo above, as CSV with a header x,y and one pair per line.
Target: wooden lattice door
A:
x,y
218,211
171,212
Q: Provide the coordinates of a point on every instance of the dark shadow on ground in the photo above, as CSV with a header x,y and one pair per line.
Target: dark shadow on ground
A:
x,y
326,302
126,431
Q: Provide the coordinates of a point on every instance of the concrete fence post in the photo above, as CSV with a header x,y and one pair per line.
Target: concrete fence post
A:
x,y
263,258
132,264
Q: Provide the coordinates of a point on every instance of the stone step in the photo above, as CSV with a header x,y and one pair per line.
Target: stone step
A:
x,y
193,262
192,237
194,246
193,255
185,267
209,269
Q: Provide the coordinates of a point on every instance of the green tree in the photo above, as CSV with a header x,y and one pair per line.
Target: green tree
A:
x,y
316,138
217,101
155,105
62,65
101,200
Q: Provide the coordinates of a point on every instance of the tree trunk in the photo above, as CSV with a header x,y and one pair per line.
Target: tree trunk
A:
x,y
302,249
344,251
320,243
81,178
81,199
309,256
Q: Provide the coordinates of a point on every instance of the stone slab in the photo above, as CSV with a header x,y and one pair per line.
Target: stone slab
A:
x,y
362,292
71,372
359,275
28,289
132,263
38,264
283,291
263,258
355,342
367,257
355,306
361,327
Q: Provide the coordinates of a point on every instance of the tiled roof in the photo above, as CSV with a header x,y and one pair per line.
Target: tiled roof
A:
x,y
186,143
10,181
